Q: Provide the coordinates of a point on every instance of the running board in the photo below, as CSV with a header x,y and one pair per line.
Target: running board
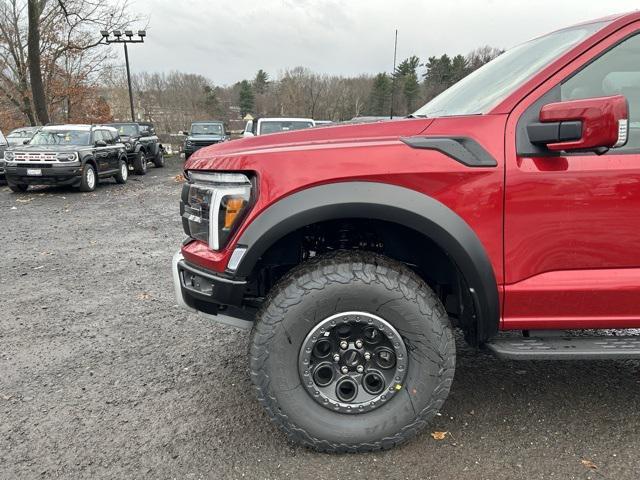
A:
x,y
566,348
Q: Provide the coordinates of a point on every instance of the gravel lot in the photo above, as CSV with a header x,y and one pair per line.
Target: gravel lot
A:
x,y
102,376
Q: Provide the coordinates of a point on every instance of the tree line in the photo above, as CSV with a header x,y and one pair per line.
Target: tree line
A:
x,y
172,100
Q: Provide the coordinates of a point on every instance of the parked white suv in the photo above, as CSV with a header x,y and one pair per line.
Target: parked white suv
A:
x,y
262,126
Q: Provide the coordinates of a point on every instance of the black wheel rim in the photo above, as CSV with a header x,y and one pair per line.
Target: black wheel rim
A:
x,y
353,362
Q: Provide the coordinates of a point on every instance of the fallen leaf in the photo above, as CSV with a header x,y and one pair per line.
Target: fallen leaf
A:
x,y
144,296
439,435
589,464
179,178
24,200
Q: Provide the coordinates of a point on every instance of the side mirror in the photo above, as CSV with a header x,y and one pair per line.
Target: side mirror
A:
x,y
592,124
185,133
26,142
101,143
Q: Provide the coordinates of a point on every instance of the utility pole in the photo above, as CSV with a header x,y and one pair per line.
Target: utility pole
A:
x,y
393,73
118,38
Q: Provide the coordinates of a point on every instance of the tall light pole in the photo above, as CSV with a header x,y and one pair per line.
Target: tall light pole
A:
x,y
118,38
393,74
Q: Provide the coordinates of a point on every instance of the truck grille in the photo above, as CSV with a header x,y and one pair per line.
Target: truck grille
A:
x,y
34,157
204,143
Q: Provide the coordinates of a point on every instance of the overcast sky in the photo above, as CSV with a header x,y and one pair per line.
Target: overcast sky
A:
x,y
230,40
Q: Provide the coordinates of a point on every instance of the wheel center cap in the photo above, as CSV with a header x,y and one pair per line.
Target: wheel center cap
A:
x,y
351,358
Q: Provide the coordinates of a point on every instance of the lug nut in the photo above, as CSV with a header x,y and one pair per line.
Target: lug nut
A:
x,y
359,369
344,369
336,357
344,345
367,356
359,344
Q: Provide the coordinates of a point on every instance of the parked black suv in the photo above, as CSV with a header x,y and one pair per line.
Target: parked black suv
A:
x,y
142,145
203,134
76,155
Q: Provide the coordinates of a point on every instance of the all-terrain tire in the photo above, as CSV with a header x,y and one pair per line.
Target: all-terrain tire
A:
x,y
140,163
343,282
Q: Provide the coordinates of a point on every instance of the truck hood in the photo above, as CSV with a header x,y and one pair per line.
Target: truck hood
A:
x,y
216,156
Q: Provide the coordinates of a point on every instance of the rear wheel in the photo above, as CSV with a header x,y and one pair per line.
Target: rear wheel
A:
x,y
123,172
352,352
89,178
140,163
18,187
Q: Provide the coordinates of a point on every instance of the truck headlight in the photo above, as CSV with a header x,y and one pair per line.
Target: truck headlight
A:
x,y
9,156
213,204
128,146
67,157
189,143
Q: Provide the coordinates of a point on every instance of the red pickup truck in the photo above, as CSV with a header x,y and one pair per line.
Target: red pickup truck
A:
x,y
507,208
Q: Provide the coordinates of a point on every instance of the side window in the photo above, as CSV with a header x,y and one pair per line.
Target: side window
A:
x,y
615,72
109,137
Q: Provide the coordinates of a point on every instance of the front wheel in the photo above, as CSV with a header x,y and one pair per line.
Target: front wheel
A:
x,y
352,352
89,178
140,164
123,172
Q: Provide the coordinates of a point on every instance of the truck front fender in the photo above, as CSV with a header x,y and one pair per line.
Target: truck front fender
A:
x,y
390,203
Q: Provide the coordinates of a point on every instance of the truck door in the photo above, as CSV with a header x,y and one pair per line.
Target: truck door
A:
x,y
572,221
102,154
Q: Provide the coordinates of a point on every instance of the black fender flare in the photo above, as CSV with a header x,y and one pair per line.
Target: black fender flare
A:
x,y
90,159
391,203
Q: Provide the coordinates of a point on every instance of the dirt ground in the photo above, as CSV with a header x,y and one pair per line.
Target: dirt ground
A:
x,y
102,376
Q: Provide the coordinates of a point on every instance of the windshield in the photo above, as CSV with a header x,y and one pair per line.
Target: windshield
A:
x,y
273,126
125,129
484,88
61,137
21,134
207,129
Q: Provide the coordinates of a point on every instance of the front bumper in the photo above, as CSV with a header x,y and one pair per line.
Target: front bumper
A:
x,y
52,174
212,296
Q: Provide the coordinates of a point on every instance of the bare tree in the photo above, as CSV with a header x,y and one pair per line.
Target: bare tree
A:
x,y
46,46
34,11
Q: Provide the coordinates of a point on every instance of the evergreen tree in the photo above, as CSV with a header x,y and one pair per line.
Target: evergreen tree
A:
x,y
411,90
380,95
406,82
459,68
211,102
261,82
246,98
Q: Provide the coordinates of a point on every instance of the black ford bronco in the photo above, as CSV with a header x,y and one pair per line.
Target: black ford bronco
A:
x,y
142,145
76,155
202,134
